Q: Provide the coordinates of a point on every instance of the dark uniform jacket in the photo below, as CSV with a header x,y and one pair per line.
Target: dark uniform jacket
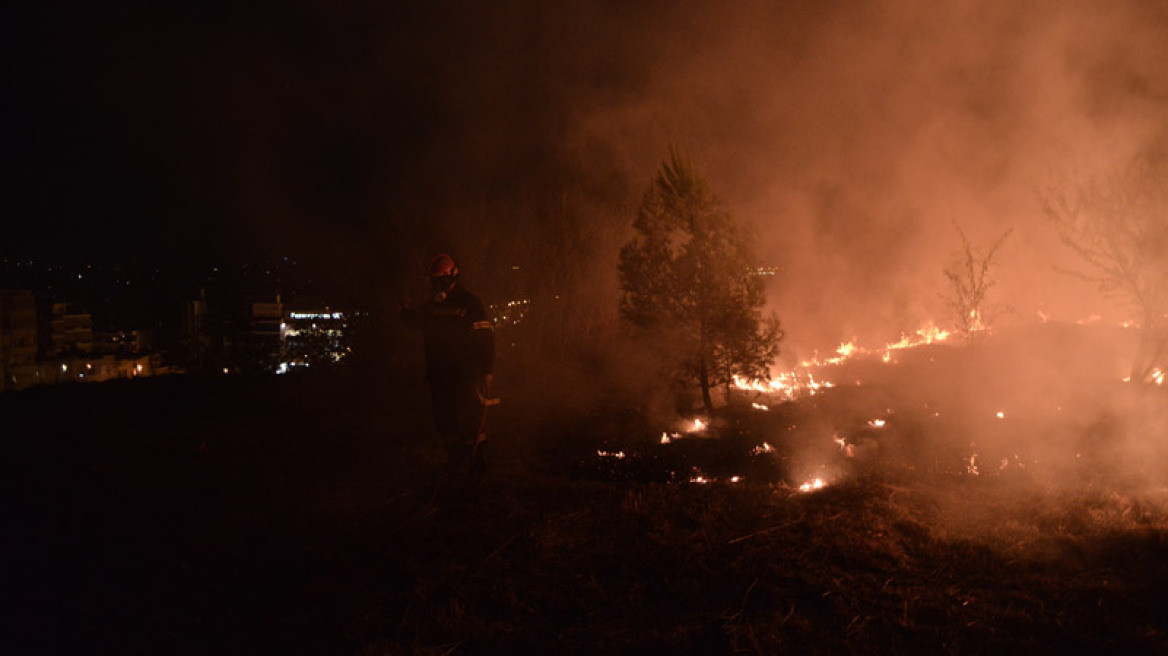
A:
x,y
459,342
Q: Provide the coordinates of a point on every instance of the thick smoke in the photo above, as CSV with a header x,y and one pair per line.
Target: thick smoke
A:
x,y
853,137
519,135
856,136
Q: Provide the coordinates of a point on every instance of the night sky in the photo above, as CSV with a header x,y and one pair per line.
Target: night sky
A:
x,y
364,136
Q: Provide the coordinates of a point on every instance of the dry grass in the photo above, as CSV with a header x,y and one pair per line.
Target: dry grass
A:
x,y
769,570
303,518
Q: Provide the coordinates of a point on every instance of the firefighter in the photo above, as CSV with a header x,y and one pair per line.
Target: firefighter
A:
x,y
459,353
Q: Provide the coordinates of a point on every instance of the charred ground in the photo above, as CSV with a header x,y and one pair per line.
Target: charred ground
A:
x,y
304,515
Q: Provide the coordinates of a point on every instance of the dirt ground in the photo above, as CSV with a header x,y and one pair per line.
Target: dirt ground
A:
x,y
308,516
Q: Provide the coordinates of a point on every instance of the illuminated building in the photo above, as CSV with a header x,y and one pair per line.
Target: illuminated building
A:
x,y
71,329
71,358
123,341
263,342
315,337
18,339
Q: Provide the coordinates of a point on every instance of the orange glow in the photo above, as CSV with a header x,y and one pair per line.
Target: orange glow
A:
x,y
788,385
812,485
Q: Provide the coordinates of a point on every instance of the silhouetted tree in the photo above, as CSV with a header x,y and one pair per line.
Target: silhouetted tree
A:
x,y
1118,225
969,284
687,280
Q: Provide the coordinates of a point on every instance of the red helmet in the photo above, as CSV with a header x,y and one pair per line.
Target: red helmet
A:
x,y
443,266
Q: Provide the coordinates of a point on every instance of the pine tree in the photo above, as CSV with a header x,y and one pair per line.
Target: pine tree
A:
x,y
687,281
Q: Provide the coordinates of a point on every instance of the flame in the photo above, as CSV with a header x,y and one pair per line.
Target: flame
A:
x,y
845,351
976,325
665,439
1158,376
788,385
928,334
877,423
698,425
812,485
619,455
759,406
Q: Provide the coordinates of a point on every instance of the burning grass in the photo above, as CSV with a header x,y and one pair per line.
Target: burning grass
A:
x,y
323,528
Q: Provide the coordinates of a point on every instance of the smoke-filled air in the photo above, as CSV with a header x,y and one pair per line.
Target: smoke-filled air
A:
x,y
919,183
587,326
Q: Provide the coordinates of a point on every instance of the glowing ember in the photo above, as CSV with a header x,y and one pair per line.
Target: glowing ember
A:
x,y
812,485
735,479
759,406
1158,376
619,455
877,423
699,479
1001,415
761,449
